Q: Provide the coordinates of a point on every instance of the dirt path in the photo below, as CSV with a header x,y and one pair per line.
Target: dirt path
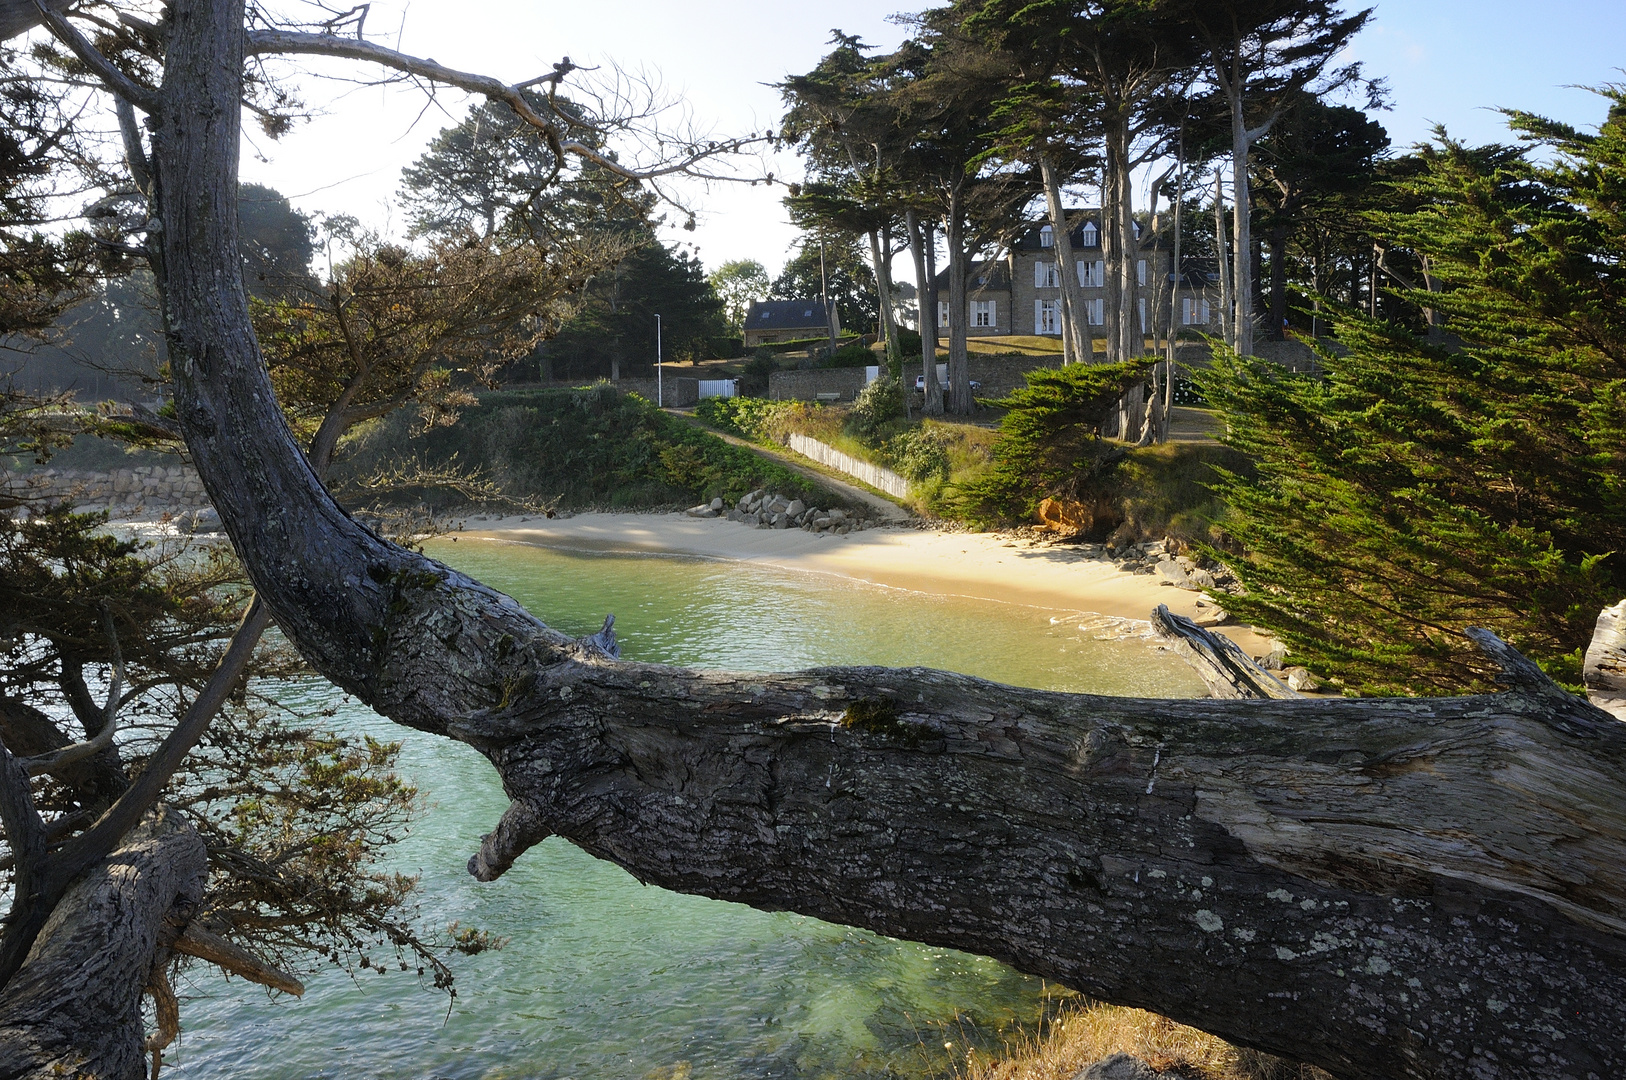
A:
x,y
884,508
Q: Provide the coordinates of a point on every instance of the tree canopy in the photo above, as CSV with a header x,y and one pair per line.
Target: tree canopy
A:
x,y
1417,489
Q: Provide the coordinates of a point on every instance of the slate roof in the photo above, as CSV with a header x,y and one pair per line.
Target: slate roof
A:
x,y
786,315
990,275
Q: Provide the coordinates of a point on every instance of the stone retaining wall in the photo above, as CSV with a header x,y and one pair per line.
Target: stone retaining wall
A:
x,y
844,383
173,485
876,477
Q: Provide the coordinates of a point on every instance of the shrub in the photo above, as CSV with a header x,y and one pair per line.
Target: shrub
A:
x,y
919,455
877,404
593,446
849,356
909,344
749,417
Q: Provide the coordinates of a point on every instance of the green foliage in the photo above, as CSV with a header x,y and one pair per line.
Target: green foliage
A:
x,y
919,455
295,817
737,283
1049,442
847,279
589,447
851,355
878,404
909,345
1418,490
748,417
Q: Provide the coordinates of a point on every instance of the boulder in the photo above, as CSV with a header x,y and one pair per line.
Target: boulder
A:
x,y
704,510
1174,573
796,509
1121,1067
781,520
1202,578
1301,679
716,504
777,504
205,520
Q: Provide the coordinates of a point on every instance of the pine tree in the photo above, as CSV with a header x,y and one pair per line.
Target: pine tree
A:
x,y
1416,490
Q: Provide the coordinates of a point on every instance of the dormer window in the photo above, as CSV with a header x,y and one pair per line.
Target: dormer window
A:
x,y
1047,237
1091,235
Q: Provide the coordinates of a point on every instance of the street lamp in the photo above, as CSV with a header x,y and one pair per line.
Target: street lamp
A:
x,y
660,397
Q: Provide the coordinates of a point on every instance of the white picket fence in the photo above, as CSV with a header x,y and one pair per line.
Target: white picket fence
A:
x,y
876,477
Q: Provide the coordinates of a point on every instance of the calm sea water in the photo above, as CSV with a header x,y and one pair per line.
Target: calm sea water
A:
x,y
604,977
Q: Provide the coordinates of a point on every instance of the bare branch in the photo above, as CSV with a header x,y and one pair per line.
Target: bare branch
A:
x,y
261,42
198,942
115,80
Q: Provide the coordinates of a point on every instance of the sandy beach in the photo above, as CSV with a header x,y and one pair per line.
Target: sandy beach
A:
x,y
984,566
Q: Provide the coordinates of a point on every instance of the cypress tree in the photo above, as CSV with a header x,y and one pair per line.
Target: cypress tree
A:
x,y
1415,490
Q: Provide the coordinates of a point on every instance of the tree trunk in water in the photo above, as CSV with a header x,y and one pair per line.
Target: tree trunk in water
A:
x,y
1352,883
959,364
75,1007
1073,314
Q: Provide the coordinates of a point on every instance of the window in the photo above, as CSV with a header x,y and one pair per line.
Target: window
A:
x,y
1044,275
1140,272
1097,312
1141,303
1092,275
808,314
765,314
982,313
1047,317
1047,237
1195,311
942,313
1091,235
1137,230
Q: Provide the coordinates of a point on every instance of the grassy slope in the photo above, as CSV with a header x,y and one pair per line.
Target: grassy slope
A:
x,y
593,447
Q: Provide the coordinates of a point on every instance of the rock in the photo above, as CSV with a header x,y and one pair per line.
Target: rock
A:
x,y
716,504
822,521
1274,660
796,509
777,504
745,500
781,520
838,515
1173,573
205,520
735,515
1300,679
704,510
843,529
1202,578
750,518
1211,616
1119,1067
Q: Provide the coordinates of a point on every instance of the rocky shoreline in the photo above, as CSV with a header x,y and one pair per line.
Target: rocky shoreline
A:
x,y
765,510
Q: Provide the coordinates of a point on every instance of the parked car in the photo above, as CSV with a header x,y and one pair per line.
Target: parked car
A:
x,y
920,385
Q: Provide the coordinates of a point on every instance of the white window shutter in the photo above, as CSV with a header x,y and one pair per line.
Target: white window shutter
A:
x,y
1038,275
1038,316
1142,305
1140,272
993,313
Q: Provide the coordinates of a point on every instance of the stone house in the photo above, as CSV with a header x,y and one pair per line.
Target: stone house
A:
x,y
768,321
1020,293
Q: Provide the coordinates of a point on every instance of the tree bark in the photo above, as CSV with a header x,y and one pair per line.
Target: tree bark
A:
x,y
1072,307
1395,888
926,297
75,1007
959,362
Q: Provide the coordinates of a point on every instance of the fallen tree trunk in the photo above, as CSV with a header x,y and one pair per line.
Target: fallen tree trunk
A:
x,y
74,1009
1388,888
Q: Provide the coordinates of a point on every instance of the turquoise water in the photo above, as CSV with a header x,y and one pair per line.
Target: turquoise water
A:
x,y
603,977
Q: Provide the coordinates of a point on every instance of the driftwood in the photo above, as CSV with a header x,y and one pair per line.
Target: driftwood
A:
x,y
1225,669
1384,888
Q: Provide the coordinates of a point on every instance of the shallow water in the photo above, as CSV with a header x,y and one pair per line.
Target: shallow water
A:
x,y
603,977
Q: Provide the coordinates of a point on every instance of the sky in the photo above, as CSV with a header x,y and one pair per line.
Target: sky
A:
x,y
1450,62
